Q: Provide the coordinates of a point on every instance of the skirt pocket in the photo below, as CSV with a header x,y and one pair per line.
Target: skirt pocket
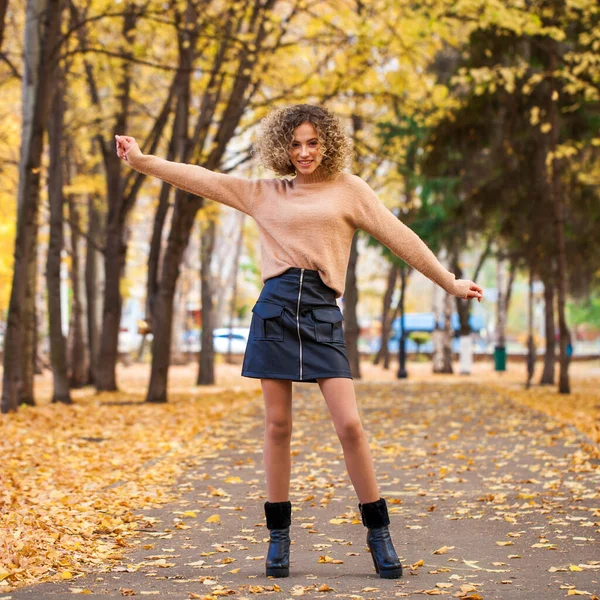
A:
x,y
328,325
267,321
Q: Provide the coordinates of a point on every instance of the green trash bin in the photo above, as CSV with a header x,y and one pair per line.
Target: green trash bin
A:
x,y
500,358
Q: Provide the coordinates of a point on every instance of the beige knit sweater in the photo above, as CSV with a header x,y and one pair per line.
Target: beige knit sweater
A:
x,y
308,221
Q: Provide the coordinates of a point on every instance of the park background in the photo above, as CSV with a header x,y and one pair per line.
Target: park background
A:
x,y
476,122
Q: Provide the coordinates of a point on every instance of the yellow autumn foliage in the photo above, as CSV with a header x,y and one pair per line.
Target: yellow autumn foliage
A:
x,y
75,501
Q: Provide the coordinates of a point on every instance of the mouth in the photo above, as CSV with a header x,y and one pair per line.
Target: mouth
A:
x,y
304,163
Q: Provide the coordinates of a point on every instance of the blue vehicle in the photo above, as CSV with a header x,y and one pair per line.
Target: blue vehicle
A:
x,y
425,323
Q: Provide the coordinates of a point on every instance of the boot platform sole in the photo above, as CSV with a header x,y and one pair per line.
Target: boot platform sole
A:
x,y
394,573
278,571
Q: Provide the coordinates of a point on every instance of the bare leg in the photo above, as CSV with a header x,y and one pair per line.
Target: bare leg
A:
x,y
341,402
277,394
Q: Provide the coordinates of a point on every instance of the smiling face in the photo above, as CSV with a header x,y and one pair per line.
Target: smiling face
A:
x,y
305,150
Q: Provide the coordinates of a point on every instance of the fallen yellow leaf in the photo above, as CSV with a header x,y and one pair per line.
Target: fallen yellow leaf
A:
x,y
213,519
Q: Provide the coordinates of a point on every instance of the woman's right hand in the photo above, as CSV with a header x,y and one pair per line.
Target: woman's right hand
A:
x,y
124,144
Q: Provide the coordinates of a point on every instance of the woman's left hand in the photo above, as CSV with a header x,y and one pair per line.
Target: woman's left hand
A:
x,y
466,289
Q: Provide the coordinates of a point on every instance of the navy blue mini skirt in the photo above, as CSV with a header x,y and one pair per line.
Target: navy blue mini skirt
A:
x,y
296,331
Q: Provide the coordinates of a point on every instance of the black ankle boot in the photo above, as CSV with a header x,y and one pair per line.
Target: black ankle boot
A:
x,y
279,519
375,516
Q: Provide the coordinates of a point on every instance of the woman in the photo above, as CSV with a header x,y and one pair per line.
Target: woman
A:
x,y
306,226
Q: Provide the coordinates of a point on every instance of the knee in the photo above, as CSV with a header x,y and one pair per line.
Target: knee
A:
x,y
350,432
279,430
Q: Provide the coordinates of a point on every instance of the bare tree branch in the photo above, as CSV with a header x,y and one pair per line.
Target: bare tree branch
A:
x,y
83,234
484,255
12,67
246,155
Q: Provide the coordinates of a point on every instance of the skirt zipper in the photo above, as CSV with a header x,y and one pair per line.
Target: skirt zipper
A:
x,y
298,319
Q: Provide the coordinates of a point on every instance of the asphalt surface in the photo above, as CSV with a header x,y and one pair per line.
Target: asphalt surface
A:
x,y
487,499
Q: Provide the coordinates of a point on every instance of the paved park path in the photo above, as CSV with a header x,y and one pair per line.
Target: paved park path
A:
x,y
487,499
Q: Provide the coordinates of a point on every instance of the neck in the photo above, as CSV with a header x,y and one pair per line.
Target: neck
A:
x,y
316,176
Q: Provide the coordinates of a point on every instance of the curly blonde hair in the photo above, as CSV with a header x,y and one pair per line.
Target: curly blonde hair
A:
x,y
277,133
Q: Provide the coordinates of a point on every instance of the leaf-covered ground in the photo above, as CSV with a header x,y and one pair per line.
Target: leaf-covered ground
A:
x,y
488,498
71,476
580,408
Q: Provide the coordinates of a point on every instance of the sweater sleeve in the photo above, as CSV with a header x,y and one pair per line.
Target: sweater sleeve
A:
x,y
375,218
236,192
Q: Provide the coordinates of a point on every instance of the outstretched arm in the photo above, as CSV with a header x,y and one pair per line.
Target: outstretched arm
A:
x,y
375,218
227,189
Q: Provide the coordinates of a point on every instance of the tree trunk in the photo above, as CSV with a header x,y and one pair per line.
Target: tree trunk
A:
x,y
512,272
121,194
32,145
530,340
243,86
447,337
119,204
394,315
206,365
351,328
92,285
183,219
29,316
439,336
58,347
30,320
501,311
77,348
234,279
3,7
114,266
561,258
38,317
221,278
179,311
78,352
178,145
463,308
402,373
437,359
350,298
465,340
550,356
156,243
386,324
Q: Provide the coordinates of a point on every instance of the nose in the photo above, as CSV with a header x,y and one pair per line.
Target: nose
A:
x,y
303,150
